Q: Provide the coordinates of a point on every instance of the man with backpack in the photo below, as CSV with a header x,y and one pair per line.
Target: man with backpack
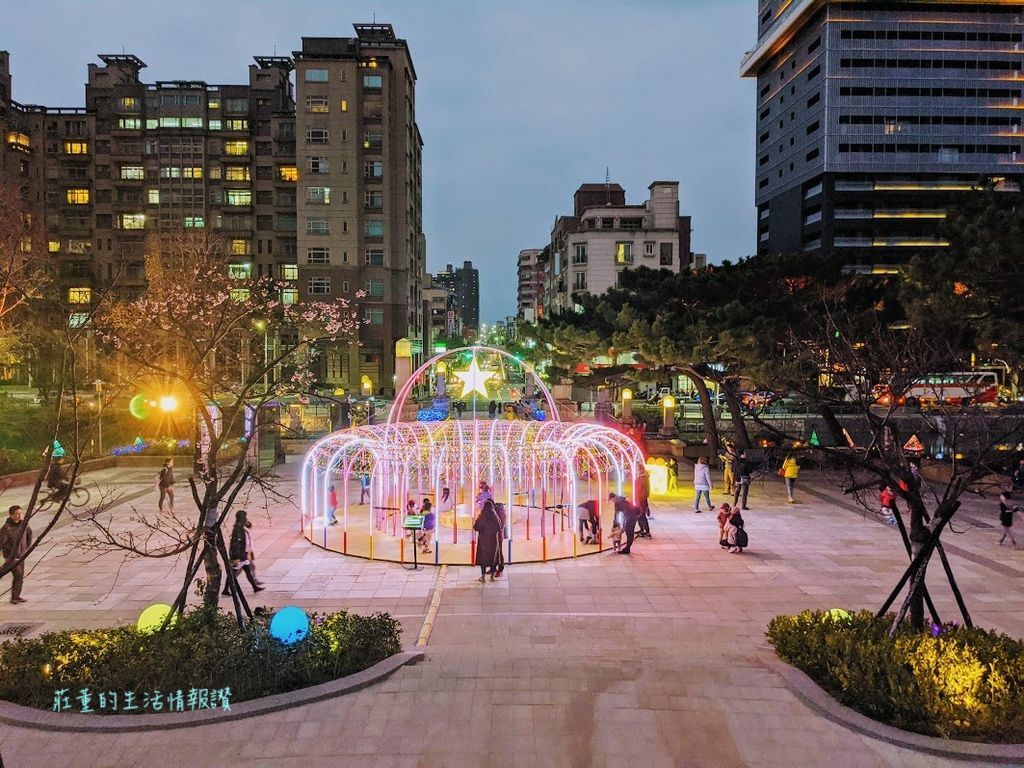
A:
x,y
629,515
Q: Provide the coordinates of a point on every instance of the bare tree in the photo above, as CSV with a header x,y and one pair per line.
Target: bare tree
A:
x,y
199,335
868,372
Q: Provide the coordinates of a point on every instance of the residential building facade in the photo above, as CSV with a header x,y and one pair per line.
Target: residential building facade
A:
x,y
464,283
530,294
874,118
339,215
605,237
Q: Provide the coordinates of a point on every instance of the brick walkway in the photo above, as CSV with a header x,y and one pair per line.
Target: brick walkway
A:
x,y
651,659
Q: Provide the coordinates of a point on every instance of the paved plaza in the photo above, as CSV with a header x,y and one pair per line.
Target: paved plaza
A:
x,y
655,659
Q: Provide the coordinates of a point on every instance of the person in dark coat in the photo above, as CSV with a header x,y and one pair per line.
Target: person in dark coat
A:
x,y
643,492
629,514
165,483
14,543
499,510
241,553
488,540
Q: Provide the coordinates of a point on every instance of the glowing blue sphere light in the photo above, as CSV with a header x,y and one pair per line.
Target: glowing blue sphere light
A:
x,y
289,625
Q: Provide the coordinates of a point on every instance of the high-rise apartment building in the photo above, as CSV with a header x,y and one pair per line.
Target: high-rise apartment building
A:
x,y
326,195
464,283
604,237
874,118
530,297
360,210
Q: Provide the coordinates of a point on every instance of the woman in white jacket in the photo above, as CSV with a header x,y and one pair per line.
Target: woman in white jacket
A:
x,y
702,483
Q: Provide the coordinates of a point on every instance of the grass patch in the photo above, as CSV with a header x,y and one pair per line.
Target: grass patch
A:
x,y
952,682
202,650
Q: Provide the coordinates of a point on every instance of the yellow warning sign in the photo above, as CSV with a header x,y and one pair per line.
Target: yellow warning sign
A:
x,y
913,445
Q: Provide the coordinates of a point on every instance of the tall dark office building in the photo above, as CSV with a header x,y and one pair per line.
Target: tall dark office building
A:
x,y
464,283
874,118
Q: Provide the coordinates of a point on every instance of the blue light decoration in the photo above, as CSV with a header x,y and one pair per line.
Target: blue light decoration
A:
x,y
540,415
431,414
289,625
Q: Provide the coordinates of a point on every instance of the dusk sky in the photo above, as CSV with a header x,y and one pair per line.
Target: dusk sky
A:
x,y
519,103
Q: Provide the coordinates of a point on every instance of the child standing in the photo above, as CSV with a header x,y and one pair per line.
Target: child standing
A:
x,y
724,513
332,505
1006,513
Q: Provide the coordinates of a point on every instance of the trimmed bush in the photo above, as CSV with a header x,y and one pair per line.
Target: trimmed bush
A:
x,y
202,650
951,682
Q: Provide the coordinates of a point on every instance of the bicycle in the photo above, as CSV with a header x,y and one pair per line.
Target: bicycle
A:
x,y
78,496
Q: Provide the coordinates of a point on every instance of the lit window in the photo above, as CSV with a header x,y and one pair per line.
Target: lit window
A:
x,y
321,195
318,227
374,257
318,255
129,123
290,296
289,271
213,103
129,103
373,140
19,140
239,247
236,147
194,222
317,75
239,197
78,319
214,172
170,172
373,316
214,125
317,136
316,104
152,123
192,172
319,286
239,294
623,253
132,220
375,228
170,122
288,173
237,124
191,122
153,196
373,81
240,271
53,246
79,295
344,105
78,196
237,173
375,289
76,148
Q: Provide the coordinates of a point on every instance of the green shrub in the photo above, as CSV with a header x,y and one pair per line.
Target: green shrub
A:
x,y
954,682
202,650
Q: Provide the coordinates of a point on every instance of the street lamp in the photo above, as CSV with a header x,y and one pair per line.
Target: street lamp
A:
x,y
668,422
627,406
168,403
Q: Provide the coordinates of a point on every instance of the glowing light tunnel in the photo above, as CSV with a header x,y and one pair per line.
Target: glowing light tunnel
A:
x,y
357,483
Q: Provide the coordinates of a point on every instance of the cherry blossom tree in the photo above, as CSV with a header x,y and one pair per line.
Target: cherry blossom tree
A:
x,y
197,335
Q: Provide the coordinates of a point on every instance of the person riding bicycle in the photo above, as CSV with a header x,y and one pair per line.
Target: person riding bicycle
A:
x,y
57,479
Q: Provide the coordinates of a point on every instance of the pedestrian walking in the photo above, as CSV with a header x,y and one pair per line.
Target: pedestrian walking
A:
x,y
15,540
789,471
240,552
364,487
1006,513
165,484
702,483
499,510
743,468
643,492
332,506
724,515
483,494
735,534
673,475
488,540
626,515
579,407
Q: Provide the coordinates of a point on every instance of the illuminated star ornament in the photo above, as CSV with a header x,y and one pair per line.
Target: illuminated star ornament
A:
x,y
474,379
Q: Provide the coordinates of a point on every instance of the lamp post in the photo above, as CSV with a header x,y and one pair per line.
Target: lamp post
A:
x,y
668,421
627,406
